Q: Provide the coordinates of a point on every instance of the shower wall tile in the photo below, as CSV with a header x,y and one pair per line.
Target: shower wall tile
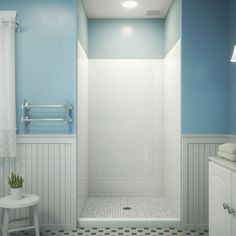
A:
x,y
125,188
125,127
82,125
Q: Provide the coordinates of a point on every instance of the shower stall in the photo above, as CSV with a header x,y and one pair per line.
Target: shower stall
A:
x,y
129,140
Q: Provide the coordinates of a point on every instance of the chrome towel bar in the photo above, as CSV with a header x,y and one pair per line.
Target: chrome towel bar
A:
x,y
26,119
28,106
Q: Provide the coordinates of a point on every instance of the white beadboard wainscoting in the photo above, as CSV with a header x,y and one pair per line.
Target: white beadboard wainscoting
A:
x,y
195,152
48,165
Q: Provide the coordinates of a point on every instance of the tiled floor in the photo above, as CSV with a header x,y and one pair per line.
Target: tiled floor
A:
x,y
137,208
140,232
119,232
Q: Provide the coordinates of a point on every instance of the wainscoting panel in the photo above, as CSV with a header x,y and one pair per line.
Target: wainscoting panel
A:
x,y
196,151
48,165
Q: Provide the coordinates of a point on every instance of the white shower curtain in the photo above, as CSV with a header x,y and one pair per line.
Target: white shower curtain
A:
x,y
7,85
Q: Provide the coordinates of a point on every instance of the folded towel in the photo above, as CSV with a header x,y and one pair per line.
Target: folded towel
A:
x,y
227,156
228,148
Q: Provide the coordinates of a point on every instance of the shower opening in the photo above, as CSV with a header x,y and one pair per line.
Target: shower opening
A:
x,y
129,137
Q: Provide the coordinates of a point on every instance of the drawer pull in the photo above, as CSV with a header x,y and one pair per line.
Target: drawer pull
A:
x,y
231,211
226,206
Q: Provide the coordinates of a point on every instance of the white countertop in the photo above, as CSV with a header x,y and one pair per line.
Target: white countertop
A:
x,y
223,162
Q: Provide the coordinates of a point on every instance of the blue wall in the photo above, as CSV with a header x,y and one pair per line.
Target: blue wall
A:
x,y
232,76
45,57
173,25
126,38
82,26
205,71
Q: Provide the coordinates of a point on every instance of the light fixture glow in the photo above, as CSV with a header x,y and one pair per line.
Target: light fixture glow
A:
x,y
233,59
129,4
127,31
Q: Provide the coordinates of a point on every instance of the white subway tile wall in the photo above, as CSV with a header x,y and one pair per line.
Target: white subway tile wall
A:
x,y
125,128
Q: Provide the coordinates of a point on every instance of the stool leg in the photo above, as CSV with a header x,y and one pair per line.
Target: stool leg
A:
x,y
36,220
1,221
6,213
31,218
2,215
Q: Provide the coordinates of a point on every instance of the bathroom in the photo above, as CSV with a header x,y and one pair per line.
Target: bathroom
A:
x,y
145,90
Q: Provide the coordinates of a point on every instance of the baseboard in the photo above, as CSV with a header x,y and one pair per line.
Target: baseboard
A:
x,y
44,227
57,227
195,227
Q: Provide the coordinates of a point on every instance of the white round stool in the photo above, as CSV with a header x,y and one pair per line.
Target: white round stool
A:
x,y
28,200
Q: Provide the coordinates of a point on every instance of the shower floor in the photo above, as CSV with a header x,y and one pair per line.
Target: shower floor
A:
x,y
132,210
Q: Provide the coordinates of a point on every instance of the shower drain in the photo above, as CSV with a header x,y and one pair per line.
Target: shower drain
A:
x,y
127,208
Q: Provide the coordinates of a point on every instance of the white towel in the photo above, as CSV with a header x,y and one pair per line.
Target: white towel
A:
x,y
227,156
229,148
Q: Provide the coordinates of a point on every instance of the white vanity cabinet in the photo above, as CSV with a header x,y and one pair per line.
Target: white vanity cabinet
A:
x,y
222,197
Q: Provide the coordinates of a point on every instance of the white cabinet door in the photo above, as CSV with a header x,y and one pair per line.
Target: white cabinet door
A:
x,y
234,204
219,193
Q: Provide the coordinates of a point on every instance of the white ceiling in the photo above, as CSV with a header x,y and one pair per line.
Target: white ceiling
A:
x,y
114,9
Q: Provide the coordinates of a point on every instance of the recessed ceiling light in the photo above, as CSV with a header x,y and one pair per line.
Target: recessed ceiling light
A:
x,y
127,30
129,4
